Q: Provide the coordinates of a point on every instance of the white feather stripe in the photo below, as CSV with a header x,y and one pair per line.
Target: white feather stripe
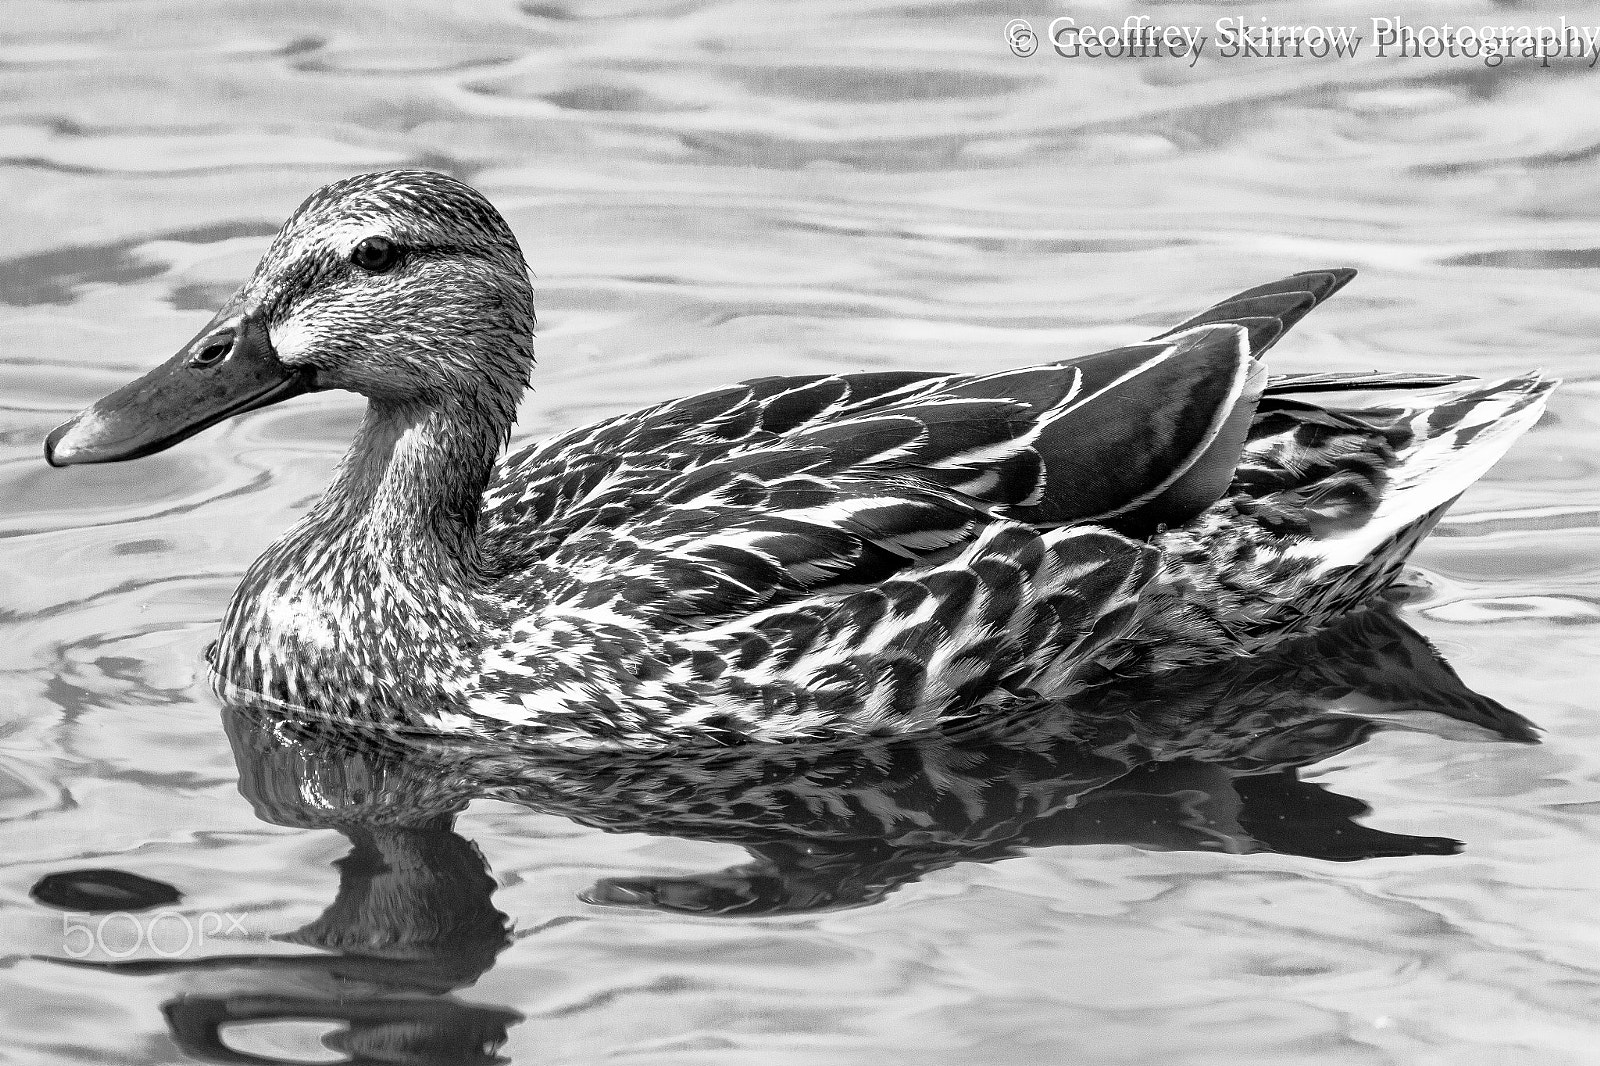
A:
x,y
986,482
989,454
1247,373
1055,414
1208,328
948,670
929,540
1073,373
500,710
912,390
877,708
822,415
1435,470
748,540
1070,571
841,513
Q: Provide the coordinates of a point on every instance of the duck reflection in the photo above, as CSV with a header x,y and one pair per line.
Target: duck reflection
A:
x,y
413,919
1203,761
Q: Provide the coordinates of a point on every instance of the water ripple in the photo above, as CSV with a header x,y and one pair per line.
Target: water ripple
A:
x,y
712,190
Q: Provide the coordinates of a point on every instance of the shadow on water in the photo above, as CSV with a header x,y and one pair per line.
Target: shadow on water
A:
x,y
1202,761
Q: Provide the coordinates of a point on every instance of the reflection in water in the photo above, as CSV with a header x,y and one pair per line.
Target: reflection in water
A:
x,y
102,891
1202,761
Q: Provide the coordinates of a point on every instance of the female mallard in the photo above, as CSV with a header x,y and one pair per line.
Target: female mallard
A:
x,y
788,557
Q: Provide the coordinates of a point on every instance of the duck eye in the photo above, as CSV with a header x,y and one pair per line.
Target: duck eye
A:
x,y
214,351
375,254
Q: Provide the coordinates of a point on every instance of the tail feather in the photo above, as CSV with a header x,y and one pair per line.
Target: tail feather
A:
x,y
1457,433
1286,556
1372,381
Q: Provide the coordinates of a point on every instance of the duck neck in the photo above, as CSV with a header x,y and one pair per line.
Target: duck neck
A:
x,y
369,605
408,492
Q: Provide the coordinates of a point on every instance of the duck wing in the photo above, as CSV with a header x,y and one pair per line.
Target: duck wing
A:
x,y
864,552
731,501
1040,421
1026,440
855,496
548,490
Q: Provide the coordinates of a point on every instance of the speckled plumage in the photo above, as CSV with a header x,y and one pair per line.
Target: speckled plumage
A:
x,y
800,557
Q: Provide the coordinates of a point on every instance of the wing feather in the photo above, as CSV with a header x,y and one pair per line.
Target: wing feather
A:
x,y
767,493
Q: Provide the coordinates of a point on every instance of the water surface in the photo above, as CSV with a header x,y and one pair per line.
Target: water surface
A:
x,y
708,191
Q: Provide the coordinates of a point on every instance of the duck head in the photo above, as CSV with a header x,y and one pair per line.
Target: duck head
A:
x,y
404,286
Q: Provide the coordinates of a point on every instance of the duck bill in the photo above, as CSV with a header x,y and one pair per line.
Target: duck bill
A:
x,y
228,368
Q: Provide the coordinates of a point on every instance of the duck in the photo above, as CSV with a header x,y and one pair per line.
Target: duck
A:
x,y
790,558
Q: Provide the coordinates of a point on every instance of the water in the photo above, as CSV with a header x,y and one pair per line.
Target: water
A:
x,y
706,192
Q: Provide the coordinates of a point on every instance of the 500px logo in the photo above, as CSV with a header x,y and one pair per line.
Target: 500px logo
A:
x,y
167,934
